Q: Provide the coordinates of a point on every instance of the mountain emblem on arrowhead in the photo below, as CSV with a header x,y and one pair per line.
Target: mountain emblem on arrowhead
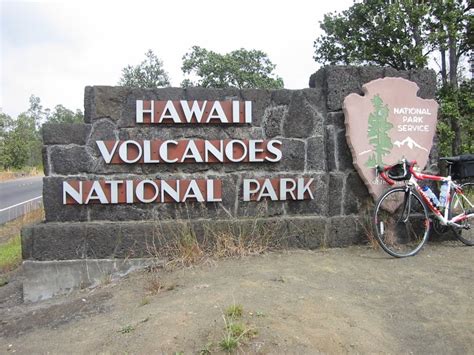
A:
x,y
410,143
385,124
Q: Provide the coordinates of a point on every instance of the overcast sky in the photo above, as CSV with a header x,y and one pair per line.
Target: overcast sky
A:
x,y
54,49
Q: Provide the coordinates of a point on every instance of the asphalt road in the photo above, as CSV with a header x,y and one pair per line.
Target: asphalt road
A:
x,y
20,196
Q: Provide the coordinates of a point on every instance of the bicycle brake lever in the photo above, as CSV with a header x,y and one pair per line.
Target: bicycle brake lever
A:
x,y
378,170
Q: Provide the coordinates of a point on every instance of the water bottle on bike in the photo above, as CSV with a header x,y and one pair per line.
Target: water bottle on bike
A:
x,y
431,196
443,193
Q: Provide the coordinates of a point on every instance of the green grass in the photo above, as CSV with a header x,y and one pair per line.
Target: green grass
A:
x,y
127,329
236,333
236,329
229,343
234,311
10,254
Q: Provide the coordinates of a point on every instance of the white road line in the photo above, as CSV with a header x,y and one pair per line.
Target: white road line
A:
x,y
19,204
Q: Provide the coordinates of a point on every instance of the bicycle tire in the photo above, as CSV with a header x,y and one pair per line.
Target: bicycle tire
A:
x,y
459,205
399,233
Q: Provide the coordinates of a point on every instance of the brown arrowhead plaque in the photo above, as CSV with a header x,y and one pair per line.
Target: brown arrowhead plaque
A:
x,y
388,123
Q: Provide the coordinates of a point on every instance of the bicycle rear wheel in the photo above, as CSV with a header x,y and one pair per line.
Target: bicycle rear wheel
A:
x,y
401,222
462,203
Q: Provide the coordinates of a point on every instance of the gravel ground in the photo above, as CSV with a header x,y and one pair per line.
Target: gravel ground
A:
x,y
352,300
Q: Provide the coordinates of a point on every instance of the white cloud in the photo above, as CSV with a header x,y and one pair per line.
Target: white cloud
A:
x,y
53,50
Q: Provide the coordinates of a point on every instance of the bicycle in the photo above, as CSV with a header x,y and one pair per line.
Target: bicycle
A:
x,y
401,218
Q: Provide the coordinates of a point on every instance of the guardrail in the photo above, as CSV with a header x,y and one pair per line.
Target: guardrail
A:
x,y
12,212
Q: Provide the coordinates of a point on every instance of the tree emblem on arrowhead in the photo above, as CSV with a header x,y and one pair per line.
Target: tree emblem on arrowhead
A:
x,y
378,132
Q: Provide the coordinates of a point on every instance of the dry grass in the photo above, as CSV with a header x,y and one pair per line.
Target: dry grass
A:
x,y
15,174
181,245
366,222
238,240
177,244
154,285
13,228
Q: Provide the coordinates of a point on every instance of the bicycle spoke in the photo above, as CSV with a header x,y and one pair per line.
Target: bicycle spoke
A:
x,y
401,222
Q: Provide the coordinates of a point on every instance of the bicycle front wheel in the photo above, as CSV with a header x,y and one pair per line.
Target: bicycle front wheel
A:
x,y
464,203
401,222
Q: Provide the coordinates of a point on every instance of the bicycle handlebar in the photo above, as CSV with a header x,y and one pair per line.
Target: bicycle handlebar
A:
x,y
380,170
407,166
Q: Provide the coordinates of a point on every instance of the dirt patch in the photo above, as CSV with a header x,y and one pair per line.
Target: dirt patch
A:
x,y
11,291
54,315
353,300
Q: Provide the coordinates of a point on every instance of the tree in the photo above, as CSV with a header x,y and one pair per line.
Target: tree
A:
x,y
450,31
386,33
240,68
6,124
456,105
18,143
400,34
378,132
61,114
148,74
36,112
20,138
403,34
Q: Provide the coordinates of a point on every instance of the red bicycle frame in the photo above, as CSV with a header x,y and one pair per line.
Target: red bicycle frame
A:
x,y
413,181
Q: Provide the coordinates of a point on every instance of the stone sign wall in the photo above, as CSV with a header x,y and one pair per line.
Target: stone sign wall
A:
x,y
308,123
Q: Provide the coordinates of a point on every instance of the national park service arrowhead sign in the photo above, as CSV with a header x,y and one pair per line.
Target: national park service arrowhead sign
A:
x,y
388,123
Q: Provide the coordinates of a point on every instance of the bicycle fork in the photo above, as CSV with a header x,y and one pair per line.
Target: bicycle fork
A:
x,y
406,207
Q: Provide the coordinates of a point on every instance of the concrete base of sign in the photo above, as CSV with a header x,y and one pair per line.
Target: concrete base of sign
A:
x,y
46,279
144,239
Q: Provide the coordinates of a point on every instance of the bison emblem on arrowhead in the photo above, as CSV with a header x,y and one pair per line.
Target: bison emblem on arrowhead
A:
x,y
388,123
